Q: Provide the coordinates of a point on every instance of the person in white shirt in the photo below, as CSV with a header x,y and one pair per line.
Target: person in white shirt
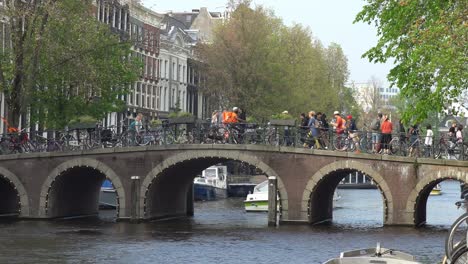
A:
x,y
428,141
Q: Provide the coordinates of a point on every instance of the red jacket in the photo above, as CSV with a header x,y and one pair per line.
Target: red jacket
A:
x,y
386,127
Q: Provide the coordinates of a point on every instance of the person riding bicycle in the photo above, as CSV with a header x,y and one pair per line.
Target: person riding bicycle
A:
x,y
353,131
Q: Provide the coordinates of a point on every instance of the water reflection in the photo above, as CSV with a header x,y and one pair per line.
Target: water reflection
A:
x,y
221,232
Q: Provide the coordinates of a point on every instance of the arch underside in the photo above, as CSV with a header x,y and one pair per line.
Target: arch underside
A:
x,y
75,192
321,198
167,190
9,198
170,194
420,206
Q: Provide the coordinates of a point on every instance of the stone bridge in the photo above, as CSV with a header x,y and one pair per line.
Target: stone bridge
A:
x,y
55,185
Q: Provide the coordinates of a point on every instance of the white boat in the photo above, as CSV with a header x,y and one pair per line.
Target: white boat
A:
x,y
258,200
437,190
373,255
212,184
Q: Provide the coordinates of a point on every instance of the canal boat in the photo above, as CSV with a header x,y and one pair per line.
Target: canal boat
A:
x,y
437,190
107,196
373,255
212,185
357,180
258,200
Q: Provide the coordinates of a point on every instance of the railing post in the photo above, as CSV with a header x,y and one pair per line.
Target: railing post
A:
x,y
272,201
135,198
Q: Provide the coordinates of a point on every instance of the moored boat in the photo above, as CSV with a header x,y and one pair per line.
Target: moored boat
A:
x,y
437,190
107,196
258,200
212,185
373,255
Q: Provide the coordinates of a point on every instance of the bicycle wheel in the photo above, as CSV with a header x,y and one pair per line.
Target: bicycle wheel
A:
x,y
457,233
460,256
394,146
340,143
365,145
458,151
441,151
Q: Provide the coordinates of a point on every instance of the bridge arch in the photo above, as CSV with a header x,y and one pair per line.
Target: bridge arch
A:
x,y
417,200
21,194
86,165
202,160
320,187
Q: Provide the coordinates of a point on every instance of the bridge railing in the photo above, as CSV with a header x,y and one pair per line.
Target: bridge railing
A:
x,y
442,147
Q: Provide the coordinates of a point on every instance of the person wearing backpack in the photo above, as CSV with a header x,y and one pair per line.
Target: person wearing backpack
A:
x,y
376,136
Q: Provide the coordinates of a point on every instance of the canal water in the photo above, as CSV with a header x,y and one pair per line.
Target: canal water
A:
x,y
221,232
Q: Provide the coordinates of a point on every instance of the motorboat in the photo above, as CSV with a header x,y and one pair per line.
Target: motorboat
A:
x,y
107,196
212,185
374,255
437,190
258,200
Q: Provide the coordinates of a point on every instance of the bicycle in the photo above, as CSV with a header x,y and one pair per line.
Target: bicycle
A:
x,y
344,142
456,252
366,142
398,146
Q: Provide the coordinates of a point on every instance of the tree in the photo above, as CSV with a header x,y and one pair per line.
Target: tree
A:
x,y
259,64
427,40
62,63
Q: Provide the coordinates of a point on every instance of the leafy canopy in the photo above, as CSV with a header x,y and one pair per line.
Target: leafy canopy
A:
x,y
427,40
257,63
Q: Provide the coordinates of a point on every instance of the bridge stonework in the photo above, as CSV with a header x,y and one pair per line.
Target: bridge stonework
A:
x,y
50,185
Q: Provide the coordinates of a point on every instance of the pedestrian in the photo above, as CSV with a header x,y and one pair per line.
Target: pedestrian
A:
x,y
303,128
386,128
459,134
376,136
313,131
353,132
339,123
402,131
428,141
135,128
414,140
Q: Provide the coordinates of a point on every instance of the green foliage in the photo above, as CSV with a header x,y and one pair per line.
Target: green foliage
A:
x,y
259,64
251,119
180,114
69,67
155,122
282,116
427,41
83,120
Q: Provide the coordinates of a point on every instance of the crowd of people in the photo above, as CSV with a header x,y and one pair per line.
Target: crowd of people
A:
x,y
314,130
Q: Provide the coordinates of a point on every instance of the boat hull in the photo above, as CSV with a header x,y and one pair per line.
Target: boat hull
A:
x,y
107,198
256,206
204,192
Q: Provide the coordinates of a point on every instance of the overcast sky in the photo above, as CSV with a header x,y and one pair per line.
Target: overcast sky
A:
x,y
330,21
